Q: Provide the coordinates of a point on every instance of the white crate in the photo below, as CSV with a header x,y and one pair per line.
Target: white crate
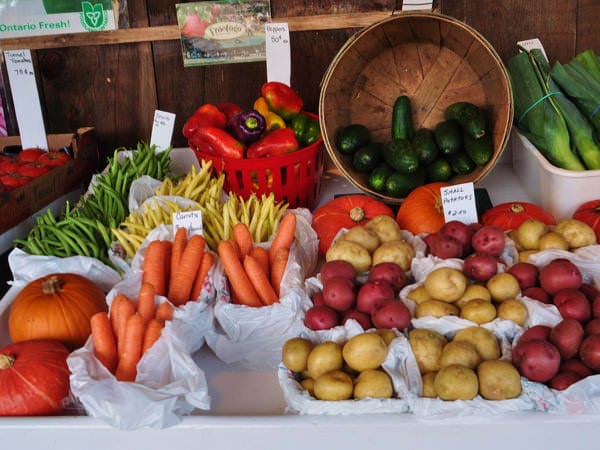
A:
x,y
559,191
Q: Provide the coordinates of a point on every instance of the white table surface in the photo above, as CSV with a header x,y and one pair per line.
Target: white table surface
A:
x,y
248,410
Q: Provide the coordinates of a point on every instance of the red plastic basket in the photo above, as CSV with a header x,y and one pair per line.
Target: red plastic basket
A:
x,y
294,177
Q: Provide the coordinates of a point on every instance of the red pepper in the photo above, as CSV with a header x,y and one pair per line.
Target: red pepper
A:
x,y
282,99
206,115
278,142
216,141
229,109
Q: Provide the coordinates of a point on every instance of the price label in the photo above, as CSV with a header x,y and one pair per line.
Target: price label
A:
x,y
162,129
192,220
530,44
21,76
416,5
277,49
458,202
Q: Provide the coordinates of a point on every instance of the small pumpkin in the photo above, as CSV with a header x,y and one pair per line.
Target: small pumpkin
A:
x,y
510,215
589,213
34,378
56,306
422,210
346,211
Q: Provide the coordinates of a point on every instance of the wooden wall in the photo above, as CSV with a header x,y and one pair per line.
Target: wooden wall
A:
x,y
115,85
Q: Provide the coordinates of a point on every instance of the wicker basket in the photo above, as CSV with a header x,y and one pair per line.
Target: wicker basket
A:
x,y
434,59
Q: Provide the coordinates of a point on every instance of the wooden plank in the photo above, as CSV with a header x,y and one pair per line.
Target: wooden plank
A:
x,y
171,32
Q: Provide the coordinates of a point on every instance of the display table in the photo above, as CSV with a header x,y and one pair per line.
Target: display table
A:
x,y
248,409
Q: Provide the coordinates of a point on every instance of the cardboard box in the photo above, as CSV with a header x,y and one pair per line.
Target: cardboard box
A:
x,y
20,203
557,190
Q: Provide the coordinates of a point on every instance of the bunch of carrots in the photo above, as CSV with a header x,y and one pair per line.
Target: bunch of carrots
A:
x,y
122,336
255,273
174,269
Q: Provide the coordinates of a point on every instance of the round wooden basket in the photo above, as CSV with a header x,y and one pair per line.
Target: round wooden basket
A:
x,y
434,59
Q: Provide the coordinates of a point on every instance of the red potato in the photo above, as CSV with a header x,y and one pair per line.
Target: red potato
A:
x,y
444,246
321,318
537,359
363,319
590,291
536,332
460,231
589,352
391,272
339,293
393,314
480,266
563,379
592,326
572,303
489,239
373,294
577,366
560,274
317,298
337,268
526,274
567,336
595,305
537,293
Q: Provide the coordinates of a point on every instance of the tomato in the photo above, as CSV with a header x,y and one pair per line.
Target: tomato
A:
x,y
54,159
589,213
29,154
33,169
14,180
9,165
510,215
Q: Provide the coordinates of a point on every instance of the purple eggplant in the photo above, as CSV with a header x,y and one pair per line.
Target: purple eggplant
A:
x,y
248,126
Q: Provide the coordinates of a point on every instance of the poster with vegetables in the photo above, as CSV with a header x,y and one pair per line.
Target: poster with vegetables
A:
x,y
222,32
44,17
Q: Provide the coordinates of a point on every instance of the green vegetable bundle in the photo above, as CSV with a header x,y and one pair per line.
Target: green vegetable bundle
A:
x,y
548,117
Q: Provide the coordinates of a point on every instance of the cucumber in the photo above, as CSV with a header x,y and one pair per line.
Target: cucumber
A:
x,y
469,116
379,176
424,144
480,150
448,136
461,163
400,155
402,121
351,137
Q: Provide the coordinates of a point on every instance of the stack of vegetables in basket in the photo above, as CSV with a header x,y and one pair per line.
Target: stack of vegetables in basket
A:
x,y
274,126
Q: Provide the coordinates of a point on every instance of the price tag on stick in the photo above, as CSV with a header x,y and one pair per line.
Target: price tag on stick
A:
x,y
23,87
277,46
459,203
162,129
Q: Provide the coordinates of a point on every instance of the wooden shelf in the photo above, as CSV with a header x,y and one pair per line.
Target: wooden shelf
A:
x,y
171,32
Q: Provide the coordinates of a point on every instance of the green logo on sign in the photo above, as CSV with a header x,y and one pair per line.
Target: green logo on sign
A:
x,y
93,16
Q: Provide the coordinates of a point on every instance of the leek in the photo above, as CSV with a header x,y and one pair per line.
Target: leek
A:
x,y
538,115
581,87
590,61
580,129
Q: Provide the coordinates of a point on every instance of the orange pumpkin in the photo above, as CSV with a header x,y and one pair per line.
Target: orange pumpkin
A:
x,y
346,211
510,215
56,306
422,210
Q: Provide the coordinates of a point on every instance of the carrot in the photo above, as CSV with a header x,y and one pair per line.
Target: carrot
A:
x,y
262,256
145,305
103,338
179,243
208,259
156,265
241,286
260,281
133,339
164,312
126,309
152,333
243,238
183,277
284,235
115,306
278,267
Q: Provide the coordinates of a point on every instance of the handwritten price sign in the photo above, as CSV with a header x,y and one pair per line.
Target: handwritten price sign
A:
x,y
458,202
